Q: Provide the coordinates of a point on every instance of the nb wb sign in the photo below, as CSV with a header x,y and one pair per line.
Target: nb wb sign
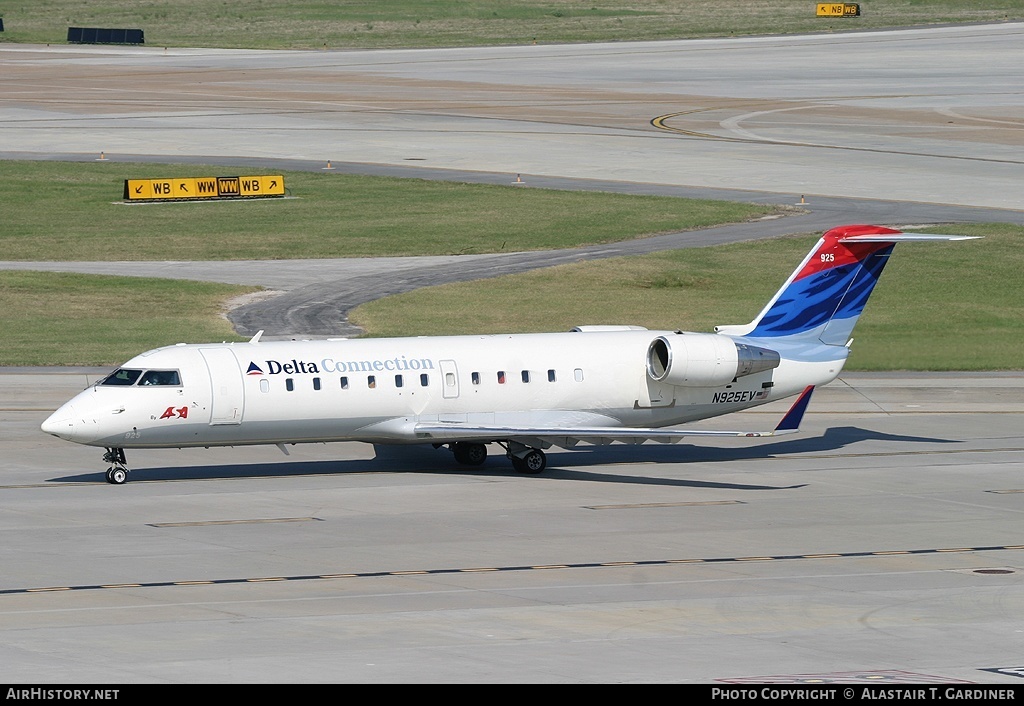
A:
x,y
838,9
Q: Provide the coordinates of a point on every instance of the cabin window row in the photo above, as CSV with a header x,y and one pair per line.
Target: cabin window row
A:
x,y
371,382
527,376
502,378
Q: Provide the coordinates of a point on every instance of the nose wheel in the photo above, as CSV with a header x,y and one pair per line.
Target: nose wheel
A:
x,y
117,474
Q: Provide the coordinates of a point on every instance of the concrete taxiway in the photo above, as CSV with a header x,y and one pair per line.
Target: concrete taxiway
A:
x,y
929,115
882,544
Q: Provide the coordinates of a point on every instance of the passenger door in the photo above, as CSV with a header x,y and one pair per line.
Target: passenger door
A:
x,y
226,381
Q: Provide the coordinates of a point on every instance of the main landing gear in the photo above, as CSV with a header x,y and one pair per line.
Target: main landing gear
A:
x,y
117,474
532,461
525,459
469,454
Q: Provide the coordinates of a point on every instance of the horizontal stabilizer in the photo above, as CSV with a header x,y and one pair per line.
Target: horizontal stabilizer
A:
x,y
904,238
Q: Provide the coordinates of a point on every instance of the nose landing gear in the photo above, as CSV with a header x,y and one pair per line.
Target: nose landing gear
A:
x,y
117,474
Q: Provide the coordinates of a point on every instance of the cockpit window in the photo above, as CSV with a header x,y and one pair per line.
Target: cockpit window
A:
x,y
130,376
160,377
122,376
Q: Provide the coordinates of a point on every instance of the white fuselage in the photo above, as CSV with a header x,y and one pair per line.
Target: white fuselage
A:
x,y
374,390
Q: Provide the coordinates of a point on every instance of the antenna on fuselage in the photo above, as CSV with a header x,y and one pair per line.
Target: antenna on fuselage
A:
x,y
256,338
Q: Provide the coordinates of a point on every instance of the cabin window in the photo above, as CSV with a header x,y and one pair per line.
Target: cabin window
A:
x,y
526,376
371,381
578,374
501,377
551,375
424,379
264,385
344,382
289,384
475,377
449,379
316,383
161,377
398,381
121,376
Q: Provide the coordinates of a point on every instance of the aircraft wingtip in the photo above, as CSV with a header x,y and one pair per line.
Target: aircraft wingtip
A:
x,y
795,415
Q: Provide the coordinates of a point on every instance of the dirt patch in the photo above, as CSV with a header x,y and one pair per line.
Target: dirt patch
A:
x,y
250,298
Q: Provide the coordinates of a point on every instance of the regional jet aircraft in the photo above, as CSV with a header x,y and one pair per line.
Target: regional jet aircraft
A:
x,y
522,392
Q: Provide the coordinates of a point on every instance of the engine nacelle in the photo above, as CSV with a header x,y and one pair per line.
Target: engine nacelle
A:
x,y
705,360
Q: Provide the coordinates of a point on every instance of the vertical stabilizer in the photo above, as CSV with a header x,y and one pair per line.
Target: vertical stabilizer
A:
x,y
825,296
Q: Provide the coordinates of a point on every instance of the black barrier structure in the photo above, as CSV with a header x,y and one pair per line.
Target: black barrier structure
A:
x,y
94,35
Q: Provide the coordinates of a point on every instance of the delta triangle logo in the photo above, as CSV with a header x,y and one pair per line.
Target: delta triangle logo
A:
x,y
254,369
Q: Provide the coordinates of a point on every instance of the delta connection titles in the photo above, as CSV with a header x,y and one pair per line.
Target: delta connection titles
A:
x,y
866,693
329,365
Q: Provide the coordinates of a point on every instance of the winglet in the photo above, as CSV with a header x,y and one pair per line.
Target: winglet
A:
x,y
791,422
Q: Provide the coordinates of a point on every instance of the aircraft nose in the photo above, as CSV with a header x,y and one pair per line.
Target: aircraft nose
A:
x,y
61,423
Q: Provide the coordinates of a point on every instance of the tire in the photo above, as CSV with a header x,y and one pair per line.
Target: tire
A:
x,y
470,454
532,463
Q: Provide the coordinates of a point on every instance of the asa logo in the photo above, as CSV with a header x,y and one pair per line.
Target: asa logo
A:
x,y
175,413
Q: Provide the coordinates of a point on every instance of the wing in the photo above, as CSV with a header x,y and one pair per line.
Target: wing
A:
x,y
568,436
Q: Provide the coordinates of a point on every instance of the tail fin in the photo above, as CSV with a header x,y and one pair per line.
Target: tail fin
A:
x,y
826,294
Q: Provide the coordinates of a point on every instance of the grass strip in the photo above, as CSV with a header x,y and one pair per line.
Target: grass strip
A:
x,y
311,24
